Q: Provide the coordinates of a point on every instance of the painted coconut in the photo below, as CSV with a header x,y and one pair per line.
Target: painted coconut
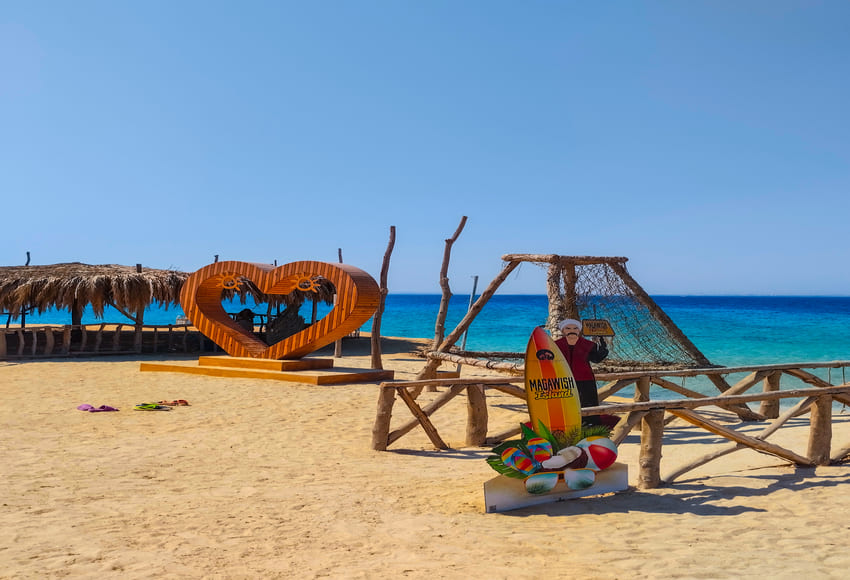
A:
x,y
576,457
579,478
601,452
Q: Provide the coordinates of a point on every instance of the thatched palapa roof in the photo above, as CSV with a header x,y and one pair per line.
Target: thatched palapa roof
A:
x,y
72,286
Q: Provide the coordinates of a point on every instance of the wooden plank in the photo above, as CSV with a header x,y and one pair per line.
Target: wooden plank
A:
x,y
266,364
337,376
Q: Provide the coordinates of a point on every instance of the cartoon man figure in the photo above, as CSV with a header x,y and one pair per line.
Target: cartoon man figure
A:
x,y
580,352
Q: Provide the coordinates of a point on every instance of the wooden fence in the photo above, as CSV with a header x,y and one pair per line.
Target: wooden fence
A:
x,y
100,339
650,416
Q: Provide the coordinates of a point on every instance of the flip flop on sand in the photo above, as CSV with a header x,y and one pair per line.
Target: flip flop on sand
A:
x,y
91,409
151,407
177,403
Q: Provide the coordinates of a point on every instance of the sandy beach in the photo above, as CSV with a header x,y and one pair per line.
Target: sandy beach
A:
x,y
265,479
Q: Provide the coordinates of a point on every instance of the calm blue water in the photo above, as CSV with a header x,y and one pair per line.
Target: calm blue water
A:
x,y
729,330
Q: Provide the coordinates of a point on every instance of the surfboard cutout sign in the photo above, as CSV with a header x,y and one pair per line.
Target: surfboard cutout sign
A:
x,y
550,388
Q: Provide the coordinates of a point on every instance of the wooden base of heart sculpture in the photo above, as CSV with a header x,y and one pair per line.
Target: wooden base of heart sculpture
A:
x,y
357,293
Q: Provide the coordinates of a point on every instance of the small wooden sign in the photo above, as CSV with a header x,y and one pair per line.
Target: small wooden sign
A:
x,y
596,327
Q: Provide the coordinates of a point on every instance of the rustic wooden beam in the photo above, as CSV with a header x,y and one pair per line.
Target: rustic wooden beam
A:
x,y
556,306
614,387
504,435
695,403
774,425
439,330
517,392
423,419
570,304
555,258
381,428
476,421
815,380
428,411
820,433
449,382
770,409
486,364
624,427
752,442
463,325
719,370
375,338
649,463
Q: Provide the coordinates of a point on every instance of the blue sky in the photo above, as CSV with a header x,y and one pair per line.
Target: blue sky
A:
x,y
708,142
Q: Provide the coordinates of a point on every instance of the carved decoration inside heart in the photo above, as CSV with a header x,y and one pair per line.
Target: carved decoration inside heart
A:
x,y
357,299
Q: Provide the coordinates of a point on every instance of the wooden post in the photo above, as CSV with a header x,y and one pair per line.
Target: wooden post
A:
x,y
570,294
642,389
49,342
375,340
338,343
820,434
476,417
431,366
556,297
66,339
2,343
652,430
440,325
381,428
98,338
21,341
84,337
116,338
770,409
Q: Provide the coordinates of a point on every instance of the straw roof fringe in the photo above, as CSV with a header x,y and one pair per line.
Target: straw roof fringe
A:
x,y
70,285
64,286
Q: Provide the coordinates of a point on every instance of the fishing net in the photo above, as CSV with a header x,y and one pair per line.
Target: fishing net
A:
x,y
644,334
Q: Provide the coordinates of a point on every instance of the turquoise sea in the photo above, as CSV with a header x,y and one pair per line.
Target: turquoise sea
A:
x,y
729,330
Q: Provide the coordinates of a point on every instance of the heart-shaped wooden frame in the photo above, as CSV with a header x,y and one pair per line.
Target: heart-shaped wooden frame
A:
x,y
358,297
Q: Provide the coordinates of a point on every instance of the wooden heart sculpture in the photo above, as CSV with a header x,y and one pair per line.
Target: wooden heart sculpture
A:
x,y
357,293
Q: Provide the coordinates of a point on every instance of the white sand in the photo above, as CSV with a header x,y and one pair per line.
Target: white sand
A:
x,y
264,479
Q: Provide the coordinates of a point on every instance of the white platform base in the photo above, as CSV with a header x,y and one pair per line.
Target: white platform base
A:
x,y
503,494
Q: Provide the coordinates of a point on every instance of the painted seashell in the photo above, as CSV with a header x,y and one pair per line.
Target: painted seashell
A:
x,y
542,482
539,448
579,478
554,462
601,452
513,457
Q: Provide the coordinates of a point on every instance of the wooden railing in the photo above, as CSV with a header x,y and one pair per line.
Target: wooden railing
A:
x,y
648,414
100,339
